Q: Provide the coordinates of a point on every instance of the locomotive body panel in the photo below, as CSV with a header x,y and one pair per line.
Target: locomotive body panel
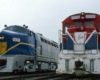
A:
x,y
79,49
47,56
23,50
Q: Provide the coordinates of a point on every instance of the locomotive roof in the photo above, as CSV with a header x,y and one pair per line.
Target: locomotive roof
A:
x,y
78,14
25,27
41,36
38,34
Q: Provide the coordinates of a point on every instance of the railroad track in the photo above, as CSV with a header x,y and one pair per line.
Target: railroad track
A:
x,y
68,77
44,76
25,76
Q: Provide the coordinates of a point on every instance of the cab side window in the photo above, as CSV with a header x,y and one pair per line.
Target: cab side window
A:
x,y
65,27
8,28
40,49
30,33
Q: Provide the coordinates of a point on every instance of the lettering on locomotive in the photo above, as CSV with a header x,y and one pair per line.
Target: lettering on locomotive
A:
x,y
16,39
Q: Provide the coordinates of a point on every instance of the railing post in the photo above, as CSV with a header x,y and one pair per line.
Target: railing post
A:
x,y
97,42
60,39
84,43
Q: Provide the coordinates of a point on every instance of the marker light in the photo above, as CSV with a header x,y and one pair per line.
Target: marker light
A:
x,y
82,13
82,17
1,37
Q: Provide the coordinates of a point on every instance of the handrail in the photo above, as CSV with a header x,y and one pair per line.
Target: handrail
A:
x,y
60,39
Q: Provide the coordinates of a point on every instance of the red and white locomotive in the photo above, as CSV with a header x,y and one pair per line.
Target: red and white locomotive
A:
x,y
80,44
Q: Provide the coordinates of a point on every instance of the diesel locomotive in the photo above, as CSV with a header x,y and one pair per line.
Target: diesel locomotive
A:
x,y
80,44
22,50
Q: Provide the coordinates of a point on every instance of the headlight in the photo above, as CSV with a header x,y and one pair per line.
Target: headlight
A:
x,y
1,37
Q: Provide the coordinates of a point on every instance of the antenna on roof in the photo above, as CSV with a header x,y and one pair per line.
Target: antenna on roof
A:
x,y
25,26
5,25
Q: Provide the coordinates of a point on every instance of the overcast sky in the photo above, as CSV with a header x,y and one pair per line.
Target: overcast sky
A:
x,y
43,16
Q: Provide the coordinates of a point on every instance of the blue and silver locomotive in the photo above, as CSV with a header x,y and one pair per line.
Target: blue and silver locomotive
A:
x,y
24,50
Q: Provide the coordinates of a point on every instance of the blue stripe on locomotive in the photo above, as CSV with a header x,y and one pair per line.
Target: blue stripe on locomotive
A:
x,y
69,45
91,44
22,49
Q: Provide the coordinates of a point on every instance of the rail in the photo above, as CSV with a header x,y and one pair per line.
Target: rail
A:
x,y
47,76
25,76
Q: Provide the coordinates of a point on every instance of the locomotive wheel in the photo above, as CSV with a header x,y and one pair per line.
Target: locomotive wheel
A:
x,y
15,71
39,68
50,67
25,70
53,67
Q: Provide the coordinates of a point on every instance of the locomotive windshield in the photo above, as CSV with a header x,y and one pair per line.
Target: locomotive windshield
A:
x,y
8,28
89,23
16,29
66,26
20,29
77,23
